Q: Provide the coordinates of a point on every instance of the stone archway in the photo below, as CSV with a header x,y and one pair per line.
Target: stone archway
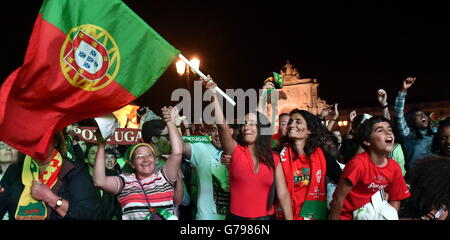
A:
x,y
301,93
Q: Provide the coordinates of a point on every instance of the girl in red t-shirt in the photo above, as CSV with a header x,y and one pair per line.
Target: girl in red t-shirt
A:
x,y
253,168
369,172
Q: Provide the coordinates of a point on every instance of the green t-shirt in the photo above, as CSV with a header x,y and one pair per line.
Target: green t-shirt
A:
x,y
214,190
398,156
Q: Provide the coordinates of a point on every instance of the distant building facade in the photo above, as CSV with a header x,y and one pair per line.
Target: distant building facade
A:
x,y
298,93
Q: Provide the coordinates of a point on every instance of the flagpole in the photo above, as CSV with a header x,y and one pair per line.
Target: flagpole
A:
x,y
204,77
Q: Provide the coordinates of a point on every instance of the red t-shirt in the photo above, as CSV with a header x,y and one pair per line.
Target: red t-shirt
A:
x,y
301,168
367,179
249,192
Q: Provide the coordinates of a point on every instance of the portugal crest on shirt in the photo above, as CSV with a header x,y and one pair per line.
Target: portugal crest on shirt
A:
x,y
89,57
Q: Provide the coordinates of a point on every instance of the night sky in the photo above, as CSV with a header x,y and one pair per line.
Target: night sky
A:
x,y
352,48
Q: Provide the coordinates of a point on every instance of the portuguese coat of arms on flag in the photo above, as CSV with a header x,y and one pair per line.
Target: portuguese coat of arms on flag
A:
x,y
84,59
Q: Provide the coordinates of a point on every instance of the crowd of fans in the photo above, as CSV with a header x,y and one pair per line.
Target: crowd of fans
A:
x,y
384,168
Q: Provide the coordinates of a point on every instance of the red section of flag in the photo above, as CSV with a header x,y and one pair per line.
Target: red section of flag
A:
x,y
36,100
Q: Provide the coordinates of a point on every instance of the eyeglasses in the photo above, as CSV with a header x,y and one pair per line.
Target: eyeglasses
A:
x,y
4,146
142,156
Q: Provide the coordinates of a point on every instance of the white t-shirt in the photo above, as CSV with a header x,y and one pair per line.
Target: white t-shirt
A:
x,y
214,188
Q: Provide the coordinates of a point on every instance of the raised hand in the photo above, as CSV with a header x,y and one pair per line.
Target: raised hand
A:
x,y
1,189
209,83
336,112
99,137
171,114
352,115
408,82
184,121
382,97
268,85
325,112
144,116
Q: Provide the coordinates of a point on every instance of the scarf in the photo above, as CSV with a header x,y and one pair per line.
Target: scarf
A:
x,y
197,139
315,204
29,208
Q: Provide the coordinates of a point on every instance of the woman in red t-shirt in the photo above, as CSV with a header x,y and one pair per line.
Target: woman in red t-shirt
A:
x,y
306,166
369,172
255,173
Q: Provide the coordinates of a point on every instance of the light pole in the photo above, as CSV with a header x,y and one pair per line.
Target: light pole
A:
x,y
184,70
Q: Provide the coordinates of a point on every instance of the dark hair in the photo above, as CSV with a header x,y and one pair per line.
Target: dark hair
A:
x,y
60,143
152,128
429,183
357,121
365,130
283,114
89,146
283,140
410,118
113,152
436,138
263,143
331,137
328,140
314,126
348,149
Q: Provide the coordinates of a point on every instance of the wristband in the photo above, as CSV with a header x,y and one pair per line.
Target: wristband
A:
x,y
385,106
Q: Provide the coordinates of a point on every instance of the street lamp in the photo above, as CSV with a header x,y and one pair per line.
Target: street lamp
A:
x,y
181,67
342,123
184,70
195,62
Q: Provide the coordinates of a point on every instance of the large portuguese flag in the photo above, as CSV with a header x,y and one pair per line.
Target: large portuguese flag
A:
x,y
84,59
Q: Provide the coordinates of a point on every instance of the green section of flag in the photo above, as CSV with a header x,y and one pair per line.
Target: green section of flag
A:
x,y
144,54
278,80
121,162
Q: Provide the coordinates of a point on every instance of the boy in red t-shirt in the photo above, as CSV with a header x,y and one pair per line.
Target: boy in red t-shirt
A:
x,y
369,172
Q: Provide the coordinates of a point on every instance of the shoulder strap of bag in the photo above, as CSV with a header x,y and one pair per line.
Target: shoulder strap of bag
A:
x,y
145,194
